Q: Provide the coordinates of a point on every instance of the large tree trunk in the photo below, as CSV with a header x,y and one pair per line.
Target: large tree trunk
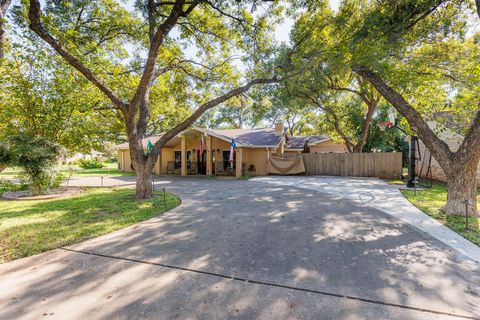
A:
x,y
142,165
144,185
143,170
460,167
462,186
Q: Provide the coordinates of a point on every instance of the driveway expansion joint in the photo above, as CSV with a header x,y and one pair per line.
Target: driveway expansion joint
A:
x,y
271,284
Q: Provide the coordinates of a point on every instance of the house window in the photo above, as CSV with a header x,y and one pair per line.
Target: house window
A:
x,y
226,159
178,159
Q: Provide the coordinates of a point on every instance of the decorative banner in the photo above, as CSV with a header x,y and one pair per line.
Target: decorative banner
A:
x,y
149,148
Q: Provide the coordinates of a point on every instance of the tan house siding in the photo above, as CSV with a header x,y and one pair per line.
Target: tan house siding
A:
x,y
218,146
167,155
452,139
257,157
124,156
323,147
120,160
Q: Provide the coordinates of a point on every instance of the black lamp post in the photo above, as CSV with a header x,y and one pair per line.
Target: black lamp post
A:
x,y
411,164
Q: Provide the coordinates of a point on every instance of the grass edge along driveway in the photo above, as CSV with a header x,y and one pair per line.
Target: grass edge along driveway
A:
x,y
432,200
31,227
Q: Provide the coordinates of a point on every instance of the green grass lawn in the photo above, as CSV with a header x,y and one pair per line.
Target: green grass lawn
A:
x,y
109,170
31,227
431,200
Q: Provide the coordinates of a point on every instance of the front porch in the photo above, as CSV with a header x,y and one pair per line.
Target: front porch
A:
x,y
183,156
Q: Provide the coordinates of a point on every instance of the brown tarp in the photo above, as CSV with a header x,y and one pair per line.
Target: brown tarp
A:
x,y
285,166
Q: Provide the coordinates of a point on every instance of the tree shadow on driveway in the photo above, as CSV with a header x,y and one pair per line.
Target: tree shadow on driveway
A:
x,y
301,249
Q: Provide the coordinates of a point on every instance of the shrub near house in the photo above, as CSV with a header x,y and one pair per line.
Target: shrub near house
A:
x,y
90,164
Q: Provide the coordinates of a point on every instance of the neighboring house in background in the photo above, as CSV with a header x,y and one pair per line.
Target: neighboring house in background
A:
x,y
181,155
86,156
453,140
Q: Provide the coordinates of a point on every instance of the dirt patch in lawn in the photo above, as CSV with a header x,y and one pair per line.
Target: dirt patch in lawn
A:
x,y
52,194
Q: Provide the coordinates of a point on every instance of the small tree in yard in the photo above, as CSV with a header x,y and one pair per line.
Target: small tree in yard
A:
x,y
36,156
90,37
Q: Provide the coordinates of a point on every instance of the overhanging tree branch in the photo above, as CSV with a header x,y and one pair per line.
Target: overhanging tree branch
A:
x,y
156,42
435,144
4,4
216,8
330,113
34,15
205,107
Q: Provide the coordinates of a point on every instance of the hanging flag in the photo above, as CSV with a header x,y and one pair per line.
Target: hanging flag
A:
x,y
233,147
149,148
201,146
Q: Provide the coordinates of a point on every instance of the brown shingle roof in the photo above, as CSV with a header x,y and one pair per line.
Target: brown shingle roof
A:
x,y
264,137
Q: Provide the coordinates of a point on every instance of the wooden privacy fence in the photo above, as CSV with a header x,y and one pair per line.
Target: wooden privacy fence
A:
x,y
378,164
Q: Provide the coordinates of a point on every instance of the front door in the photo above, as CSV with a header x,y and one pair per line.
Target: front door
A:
x,y
202,162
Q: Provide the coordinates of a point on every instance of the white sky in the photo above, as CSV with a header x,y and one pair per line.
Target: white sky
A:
x,y
282,31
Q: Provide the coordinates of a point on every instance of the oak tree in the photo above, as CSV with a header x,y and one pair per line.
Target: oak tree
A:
x,y
84,32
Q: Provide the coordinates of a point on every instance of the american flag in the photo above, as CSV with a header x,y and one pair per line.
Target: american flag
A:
x,y
201,146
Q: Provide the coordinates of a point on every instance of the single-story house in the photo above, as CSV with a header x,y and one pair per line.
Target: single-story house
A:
x,y
254,147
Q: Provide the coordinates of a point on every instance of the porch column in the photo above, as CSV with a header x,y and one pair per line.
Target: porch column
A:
x,y
282,147
238,162
268,159
184,156
122,160
209,155
159,162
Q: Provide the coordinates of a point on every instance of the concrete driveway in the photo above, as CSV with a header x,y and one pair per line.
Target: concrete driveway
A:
x,y
249,250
